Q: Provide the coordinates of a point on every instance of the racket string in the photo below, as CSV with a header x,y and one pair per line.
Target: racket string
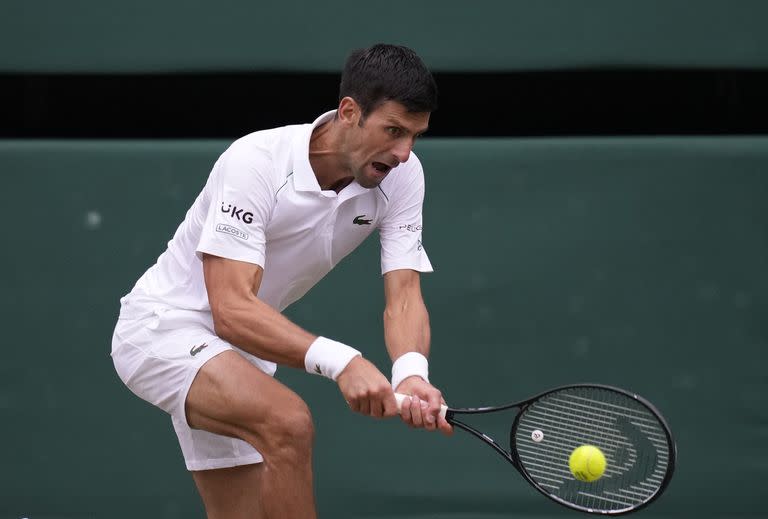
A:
x,y
632,439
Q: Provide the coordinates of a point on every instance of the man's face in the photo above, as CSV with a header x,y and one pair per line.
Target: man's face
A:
x,y
383,140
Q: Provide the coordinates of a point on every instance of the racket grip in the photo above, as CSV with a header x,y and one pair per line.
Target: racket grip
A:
x,y
399,397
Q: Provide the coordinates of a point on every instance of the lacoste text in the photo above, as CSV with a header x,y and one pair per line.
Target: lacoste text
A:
x,y
228,229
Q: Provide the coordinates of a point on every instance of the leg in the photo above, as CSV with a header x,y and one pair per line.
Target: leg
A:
x,y
229,396
231,492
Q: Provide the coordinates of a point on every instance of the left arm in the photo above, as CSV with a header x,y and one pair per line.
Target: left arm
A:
x,y
406,329
406,321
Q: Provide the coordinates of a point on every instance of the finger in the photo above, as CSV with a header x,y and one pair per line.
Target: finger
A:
x,y
416,412
444,427
390,405
408,412
427,417
435,401
405,411
377,409
364,406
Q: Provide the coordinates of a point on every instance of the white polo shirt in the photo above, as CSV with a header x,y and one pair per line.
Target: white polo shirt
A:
x,y
262,204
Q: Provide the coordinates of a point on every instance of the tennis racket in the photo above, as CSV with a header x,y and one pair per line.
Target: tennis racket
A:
x,y
633,436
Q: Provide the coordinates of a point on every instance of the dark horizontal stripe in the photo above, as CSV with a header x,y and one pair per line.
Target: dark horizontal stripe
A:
x,y
585,102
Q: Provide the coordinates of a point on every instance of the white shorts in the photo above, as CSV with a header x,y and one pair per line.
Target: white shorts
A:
x,y
157,353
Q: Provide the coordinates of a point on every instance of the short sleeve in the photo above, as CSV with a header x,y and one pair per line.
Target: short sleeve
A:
x,y
241,202
401,228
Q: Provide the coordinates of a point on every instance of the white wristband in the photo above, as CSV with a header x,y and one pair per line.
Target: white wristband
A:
x,y
328,358
412,363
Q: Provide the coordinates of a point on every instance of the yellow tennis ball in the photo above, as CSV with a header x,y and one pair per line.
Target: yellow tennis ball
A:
x,y
587,463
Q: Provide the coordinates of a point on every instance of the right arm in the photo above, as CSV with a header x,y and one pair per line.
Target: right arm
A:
x,y
241,318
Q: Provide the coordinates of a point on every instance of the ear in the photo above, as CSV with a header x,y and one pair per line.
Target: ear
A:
x,y
349,111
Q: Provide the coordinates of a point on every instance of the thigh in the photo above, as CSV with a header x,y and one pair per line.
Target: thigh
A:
x,y
231,397
158,356
229,493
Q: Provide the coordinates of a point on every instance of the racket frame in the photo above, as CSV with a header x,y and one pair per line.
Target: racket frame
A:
x,y
513,457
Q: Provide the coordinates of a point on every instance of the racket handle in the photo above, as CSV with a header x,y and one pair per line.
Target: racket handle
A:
x,y
399,397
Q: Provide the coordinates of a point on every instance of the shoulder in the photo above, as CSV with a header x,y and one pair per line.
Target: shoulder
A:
x,y
260,154
261,146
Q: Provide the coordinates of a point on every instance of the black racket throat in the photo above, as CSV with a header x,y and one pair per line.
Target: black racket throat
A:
x,y
482,436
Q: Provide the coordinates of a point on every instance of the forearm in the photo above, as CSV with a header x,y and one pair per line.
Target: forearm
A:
x,y
259,329
406,326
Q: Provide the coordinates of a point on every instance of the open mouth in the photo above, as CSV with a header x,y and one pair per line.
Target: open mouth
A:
x,y
381,167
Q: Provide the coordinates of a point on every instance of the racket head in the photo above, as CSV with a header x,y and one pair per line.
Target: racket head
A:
x,y
634,437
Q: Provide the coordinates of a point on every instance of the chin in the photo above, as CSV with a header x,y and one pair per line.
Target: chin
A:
x,y
368,182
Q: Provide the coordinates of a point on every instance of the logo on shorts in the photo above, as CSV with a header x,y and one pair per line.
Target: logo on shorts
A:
x,y
233,231
359,220
197,349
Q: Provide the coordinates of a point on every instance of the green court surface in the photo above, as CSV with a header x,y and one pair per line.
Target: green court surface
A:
x,y
639,262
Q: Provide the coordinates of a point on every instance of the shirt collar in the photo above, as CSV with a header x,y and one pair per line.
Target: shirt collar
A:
x,y
303,176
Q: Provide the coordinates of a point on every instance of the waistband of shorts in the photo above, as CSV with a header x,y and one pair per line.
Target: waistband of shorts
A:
x,y
132,307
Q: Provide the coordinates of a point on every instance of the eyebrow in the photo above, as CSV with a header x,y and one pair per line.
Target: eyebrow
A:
x,y
393,122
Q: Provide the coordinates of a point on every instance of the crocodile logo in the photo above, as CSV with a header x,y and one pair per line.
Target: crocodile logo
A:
x,y
197,349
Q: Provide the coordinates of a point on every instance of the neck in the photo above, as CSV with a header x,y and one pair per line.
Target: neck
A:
x,y
326,158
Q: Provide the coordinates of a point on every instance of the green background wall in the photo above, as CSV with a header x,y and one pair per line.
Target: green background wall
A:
x,y
637,262
101,36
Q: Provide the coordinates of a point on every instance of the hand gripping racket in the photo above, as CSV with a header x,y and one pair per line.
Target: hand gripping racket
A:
x,y
633,436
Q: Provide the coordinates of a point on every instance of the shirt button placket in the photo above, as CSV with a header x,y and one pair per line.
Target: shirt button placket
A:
x,y
330,224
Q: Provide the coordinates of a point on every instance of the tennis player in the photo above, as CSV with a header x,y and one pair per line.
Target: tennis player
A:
x,y
201,333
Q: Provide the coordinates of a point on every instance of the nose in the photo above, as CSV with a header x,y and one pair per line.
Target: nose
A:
x,y
403,149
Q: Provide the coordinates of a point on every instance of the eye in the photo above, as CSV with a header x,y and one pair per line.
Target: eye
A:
x,y
394,131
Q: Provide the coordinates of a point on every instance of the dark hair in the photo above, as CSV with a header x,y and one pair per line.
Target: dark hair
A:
x,y
388,73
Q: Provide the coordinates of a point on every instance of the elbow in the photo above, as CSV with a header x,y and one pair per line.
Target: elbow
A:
x,y
224,322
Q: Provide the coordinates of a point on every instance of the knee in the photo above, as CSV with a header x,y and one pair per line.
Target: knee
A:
x,y
290,431
297,424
